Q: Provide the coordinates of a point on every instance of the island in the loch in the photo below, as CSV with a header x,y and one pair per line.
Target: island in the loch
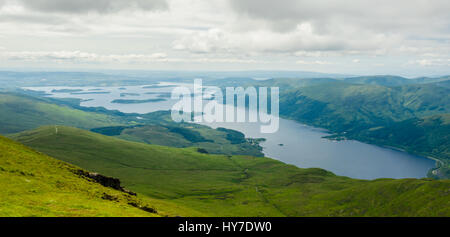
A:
x,y
66,90
90,93
158,86
129,94
122,101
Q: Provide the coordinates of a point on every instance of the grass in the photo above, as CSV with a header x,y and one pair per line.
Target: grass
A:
x,y
185,182
34,184
214,141
221,185
158,129
20,112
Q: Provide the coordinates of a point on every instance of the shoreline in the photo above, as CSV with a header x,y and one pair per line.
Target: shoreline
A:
x,y
263,150
331,134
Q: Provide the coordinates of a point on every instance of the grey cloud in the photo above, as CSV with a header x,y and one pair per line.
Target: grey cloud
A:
x,y
77,56
324,14
364,26
86,6
300,39
282,32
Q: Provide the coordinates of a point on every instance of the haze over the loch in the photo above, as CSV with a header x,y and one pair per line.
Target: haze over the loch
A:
x,y
408,38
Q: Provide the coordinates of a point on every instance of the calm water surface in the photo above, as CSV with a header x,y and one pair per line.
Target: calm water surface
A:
x,y
294,143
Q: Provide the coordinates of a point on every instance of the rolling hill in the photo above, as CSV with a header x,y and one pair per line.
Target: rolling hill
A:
x,y
34,184
387,80
220,185
182,135
21,112
340,106
191,181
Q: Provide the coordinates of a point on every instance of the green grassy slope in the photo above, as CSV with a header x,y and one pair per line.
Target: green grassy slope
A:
x,y
34,184
214,141
377,114
430,135
20,112
340,106
219,185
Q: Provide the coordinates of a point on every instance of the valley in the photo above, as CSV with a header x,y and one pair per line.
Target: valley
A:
x,y
306,147
224,116
189,169
218,185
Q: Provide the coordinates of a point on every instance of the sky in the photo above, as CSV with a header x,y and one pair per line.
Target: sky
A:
x,y
361,37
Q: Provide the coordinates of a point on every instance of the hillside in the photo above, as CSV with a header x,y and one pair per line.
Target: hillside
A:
x,y
383,80
182,135
358,111
34,184
338,106
219,185
21,112
387,80
298,82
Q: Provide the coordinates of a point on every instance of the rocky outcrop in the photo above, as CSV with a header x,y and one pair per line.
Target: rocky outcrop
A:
x,y
203,151
104,181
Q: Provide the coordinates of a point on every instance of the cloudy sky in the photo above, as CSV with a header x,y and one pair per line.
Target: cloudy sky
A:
x,y
404,37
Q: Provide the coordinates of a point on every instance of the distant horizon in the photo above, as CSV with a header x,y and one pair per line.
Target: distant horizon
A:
x,y
106,70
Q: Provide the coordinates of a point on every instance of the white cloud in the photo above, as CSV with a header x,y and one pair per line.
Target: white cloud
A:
x,y
259,34
301,39
83,57
317,62
325,15
432,62
87,6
